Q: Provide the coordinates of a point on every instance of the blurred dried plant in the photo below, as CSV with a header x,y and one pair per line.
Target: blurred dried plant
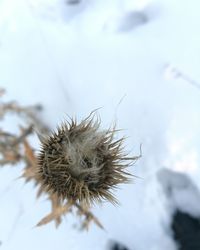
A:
x,y
15,148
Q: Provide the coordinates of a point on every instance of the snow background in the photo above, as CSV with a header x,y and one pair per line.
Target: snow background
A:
x,y
131,58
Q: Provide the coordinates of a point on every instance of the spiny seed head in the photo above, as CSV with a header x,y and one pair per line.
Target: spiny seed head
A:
x,y
82,162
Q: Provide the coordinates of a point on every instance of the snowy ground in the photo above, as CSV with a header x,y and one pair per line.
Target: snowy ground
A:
x,y
138,61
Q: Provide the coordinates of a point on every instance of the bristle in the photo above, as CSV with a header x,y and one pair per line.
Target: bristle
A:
x,y
82,162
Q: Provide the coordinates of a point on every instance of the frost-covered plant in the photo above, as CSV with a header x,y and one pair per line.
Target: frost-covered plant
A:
x,y
78,164
83,163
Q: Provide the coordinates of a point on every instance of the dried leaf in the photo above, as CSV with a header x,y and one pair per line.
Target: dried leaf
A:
x,y
29,153
55,214
11,156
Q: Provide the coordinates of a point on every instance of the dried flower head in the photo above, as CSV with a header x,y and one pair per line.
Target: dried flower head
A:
x,y
82,163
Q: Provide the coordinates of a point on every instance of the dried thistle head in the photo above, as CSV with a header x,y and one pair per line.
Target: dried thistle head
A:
x,y
81,162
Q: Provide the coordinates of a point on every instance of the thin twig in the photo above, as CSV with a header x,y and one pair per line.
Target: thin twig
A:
x,y
89,216
21,138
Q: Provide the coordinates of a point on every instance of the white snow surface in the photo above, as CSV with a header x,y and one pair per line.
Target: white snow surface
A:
x,y
142,70
181,193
